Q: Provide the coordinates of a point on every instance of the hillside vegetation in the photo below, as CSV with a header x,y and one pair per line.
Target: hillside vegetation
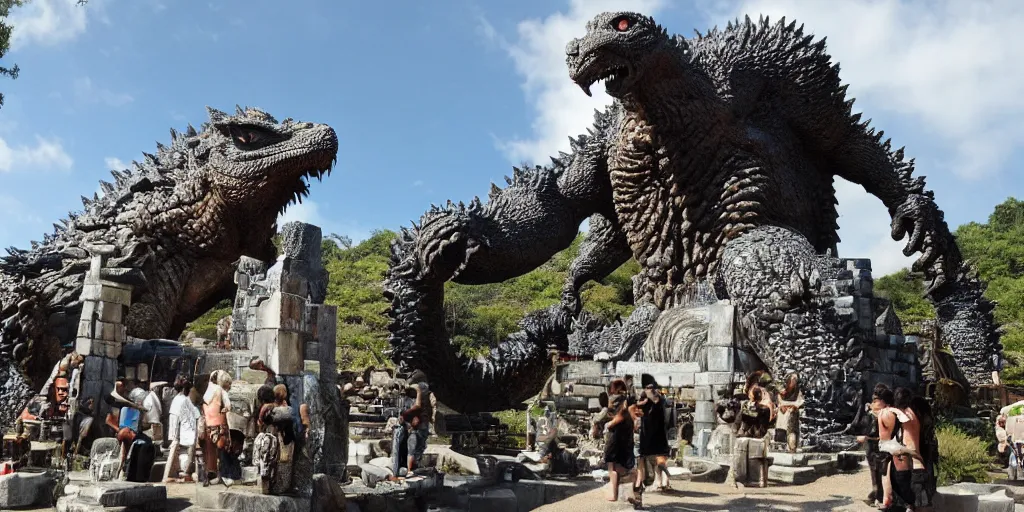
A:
x,y
479,317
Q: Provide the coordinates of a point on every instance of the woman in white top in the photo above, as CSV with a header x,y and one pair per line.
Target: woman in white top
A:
x,y
181,430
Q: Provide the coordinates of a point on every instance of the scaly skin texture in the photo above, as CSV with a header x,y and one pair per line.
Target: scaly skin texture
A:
x,y
714,168
178,222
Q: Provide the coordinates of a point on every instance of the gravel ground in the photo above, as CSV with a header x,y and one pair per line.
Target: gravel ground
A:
x,y
843,492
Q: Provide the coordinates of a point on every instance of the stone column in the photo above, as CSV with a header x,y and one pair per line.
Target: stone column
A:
x,y
101,332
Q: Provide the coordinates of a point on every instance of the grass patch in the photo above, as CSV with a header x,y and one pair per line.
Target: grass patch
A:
x,y
962,458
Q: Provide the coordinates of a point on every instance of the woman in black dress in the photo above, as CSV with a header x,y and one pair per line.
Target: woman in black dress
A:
x,y
618,448
654,447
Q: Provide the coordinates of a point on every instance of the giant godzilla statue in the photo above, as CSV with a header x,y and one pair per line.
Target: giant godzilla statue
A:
x,y
179,221
714,168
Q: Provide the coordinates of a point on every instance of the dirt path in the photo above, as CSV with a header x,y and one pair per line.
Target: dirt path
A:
x,y
844,492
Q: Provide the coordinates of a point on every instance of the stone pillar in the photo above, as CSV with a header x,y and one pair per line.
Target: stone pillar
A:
x,y
720,364
101,331
279,315
248,275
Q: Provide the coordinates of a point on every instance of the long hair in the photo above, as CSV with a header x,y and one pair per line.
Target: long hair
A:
x,y
617,387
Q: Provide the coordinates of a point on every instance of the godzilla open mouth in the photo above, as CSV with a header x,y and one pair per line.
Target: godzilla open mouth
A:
x,y
301,190
615,78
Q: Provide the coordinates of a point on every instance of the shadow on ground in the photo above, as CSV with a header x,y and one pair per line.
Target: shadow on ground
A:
x,y
752,503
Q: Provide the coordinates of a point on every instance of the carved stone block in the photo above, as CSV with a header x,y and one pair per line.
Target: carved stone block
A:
x,y
721,359
722,324
285,357
713,378
105,311
106,331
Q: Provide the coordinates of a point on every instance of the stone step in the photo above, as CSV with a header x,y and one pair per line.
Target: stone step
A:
x,y
792,475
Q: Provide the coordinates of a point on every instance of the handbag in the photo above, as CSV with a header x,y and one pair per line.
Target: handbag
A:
x,y
201,427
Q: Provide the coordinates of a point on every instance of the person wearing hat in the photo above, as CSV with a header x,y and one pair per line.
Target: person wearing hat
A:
x,y
653,446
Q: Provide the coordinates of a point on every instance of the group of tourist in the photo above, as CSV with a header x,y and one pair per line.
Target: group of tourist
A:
x,y
200,422
901,447
635,432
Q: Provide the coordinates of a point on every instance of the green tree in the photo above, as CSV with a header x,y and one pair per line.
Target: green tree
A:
x,y
996,248
5,40
906,292
5,37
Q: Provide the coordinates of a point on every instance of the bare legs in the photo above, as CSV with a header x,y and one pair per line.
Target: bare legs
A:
x,y
613,480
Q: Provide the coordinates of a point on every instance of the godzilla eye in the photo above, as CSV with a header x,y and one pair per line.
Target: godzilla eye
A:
x,y
622,24
243,135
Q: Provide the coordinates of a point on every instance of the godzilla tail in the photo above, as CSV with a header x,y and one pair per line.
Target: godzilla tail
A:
x,y
510,374
967,326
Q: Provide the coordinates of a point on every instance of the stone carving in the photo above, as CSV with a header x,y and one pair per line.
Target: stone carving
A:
x,y
714,169
176,223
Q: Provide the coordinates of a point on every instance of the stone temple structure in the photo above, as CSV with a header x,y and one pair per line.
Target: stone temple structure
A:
x,y
279,315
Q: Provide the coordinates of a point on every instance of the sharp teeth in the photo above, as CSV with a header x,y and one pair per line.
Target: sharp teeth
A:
x,y
586,89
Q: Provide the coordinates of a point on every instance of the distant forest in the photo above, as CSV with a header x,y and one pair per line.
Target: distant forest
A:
x,y
479,317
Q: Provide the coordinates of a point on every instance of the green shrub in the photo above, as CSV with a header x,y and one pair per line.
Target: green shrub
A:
x,y
962,458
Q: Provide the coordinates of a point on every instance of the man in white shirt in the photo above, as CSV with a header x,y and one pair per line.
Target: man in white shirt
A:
x,y
181,430
154,410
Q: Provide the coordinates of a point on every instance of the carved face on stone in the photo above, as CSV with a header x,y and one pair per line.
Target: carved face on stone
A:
x,y
256,160
619,47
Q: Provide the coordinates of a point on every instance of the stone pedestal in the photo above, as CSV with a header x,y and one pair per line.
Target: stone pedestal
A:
x,y
101,332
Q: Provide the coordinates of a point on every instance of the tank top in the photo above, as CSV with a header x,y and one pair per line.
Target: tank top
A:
x,y
212,410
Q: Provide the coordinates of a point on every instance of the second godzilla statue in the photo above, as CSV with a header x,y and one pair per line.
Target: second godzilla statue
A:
x,y
714,168
178,223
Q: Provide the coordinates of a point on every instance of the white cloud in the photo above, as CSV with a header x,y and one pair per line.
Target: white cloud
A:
x,y
114,163
952,67
864,230
46,154
86,92
48,22
539,55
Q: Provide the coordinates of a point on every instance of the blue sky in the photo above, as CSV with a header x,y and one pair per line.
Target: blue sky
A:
x,y
433,100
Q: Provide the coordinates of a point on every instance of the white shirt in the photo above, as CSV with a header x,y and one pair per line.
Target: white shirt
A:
x,y
155,408
184,416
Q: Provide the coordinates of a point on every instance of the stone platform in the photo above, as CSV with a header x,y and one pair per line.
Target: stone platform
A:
x,y
26,489
112,496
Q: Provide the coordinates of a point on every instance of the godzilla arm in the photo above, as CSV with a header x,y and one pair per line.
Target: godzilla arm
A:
x,y
518,230
863,158
604,249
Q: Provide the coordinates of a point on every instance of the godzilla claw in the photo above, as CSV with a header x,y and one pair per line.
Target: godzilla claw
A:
x,y
919,220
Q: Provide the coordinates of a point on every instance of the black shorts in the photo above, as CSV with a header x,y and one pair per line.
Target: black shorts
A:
x,y
915,487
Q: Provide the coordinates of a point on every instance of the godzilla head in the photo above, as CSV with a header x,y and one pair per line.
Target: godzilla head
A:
x,y
619,47
256,160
